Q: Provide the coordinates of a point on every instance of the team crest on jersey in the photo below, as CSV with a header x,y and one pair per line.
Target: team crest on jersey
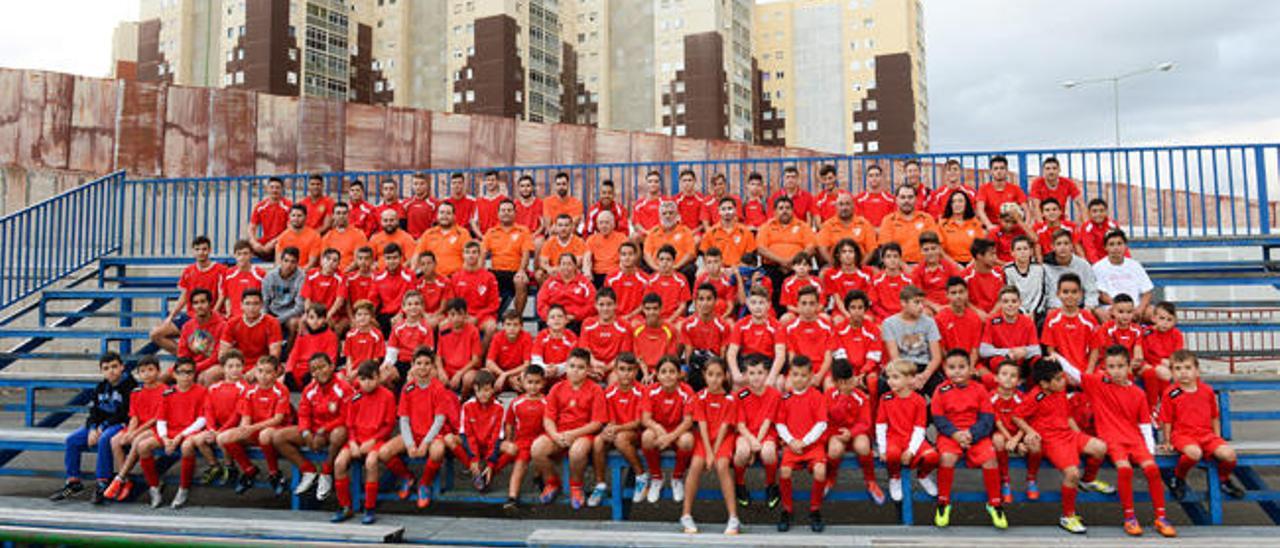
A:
x,y
333,407
1175,393
170,391
787,395
746,392
357,397
515,236
920,226
737,238
946,387
1042,396
573,403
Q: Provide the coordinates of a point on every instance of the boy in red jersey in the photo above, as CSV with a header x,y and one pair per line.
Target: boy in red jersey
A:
x,y
629,283
221,414
435,289
757,407
327,287
363,342
791,287
654,338
1051,186
146,403
263,407
672,286
315,338
478,287
1123,420
1012,226
575,412
703,336
529,209
552,346
964,418
757,333
391,287
1120,330
811,337
1007,438
997,192
605,337
755,208
625,401
959,323
510,353
1159,342
370,418
203,274
410,334
847,275
492,192
427,411
858,341
523,424
1093,233
716,412
1068,330
1008,335
180,417
322,425
1190,425
360,276
268,219
460,349
200,335
667,418
236,280
569,290
984,279
419,209
901,417
888,284
1046,424
728,285
802,428
1051,222
849,416
875,203
253,333
480,426
933,273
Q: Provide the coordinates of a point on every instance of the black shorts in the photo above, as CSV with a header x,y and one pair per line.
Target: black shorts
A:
x,y
506,282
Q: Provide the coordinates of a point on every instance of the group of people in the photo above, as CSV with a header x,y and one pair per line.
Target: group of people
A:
x,y
789,329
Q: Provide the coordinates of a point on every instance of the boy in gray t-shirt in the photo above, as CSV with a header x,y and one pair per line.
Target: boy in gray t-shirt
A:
x,y
910,335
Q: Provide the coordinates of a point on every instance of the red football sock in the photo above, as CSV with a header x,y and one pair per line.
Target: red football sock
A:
x,y
575,484
149,471
429,472
816,491
991,479
1033,466
327,468
342,486
833,470
1091,467
397,468
187,472
1002,462
1225,468
1068,501
946,475
868,468
1156,488
237,454
460,453
370,495
771,474
504,460
551,481
1124,477
270,456
895,468
784,486
307,467
682,463
653,460
740,475
928,463
1185,464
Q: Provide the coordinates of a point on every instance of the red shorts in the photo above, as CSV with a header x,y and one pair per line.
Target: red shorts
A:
x,y
524,451
1135,453
812,455
725,451
895,449
977,454
1064,451
1208,442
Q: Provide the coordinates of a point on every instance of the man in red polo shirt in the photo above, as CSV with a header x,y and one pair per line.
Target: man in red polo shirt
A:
x,y
420,209
319,207
254,334
269,219
999,191
801,201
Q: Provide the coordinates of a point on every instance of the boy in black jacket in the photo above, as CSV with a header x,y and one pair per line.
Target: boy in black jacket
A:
x,y
108,413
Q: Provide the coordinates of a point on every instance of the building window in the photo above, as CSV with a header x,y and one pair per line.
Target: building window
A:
x,y
873,125
778,55
871,104
767,114
873,146
857,147
779,75
239,76
857,127
457,97
226,79
293,54
240,54
231,56
292,78
377,87
766,96
241,30
471,96
681,130
869,23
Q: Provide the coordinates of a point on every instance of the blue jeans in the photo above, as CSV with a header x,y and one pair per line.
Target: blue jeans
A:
x,y
78,441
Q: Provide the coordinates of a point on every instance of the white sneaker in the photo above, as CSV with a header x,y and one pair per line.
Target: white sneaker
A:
x,y
324,487
306,483
655,490
180,499
157,497
895,489
690,527
733,527
928,485
677,490
642,480
597,495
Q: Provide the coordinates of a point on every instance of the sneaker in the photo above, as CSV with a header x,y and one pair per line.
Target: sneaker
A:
x,y
927,483
733,527
246,481
895,489
1099,486
324,487
369,518
690,528
597,495
180,498
773,496
98,496
638,493
306,483
211,474
744,497
1178,488
481,482
73,488
278,484
1006,492
477,482
126,488
655,490
424,496
230,475
877,495
1231,488
1033,491
113,490
1072,524
549,494
511,505
405,489
576,498
784,522
1165,528
677,489
942,515
157,496
998,519
815,522
1132,528
343,514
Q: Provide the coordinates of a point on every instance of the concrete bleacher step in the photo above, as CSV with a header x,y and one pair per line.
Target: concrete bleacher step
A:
x,y
107,333
110,293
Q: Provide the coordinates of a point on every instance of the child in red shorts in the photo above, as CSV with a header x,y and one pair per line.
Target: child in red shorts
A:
x,y
849,420
146,403
668,421
371,416
901,417
363,341
757,408
716,413
220,415
964,418
802,427
1046,424
481,428
576,411
1189,424
428,415
509,353
321,425
458,344
263,407
1158,343
523,424
1008,438
625,401
180,417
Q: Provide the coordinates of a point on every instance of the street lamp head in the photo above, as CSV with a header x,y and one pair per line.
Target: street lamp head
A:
x,y
1165,66
1070,84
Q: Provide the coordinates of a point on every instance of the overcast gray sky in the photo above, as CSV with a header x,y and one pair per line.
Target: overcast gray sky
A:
x,y
995,66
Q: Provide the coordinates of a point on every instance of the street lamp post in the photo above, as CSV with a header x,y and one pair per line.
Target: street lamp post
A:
x,y
1115,87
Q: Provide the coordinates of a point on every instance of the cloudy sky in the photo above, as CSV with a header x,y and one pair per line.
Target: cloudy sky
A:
x,y
995,66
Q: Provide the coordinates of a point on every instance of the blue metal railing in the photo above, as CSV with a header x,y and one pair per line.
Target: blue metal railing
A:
x,y
54,238
1155,193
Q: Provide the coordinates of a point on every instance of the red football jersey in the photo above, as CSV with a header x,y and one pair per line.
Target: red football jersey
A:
x,y
851,411
992,198
235,282
363,345
605,340
308,344
933,280
861,345
529,215
884,294
875,206
317,210
726,290
800,411
1006,408
552,349
631,289
1191,414
838,283
180,409
199,340
644,212
668,407
1002,333
625,406
210,278
458,346
420,215
480,289
754,337
791,289
1070,335
754,409
1111,334
1044,234
984,288
961,405
524,415
902,415
712,336
359,288
801,202
434,292
272,217
652,343
755,212
1157,346
962,331
570,408
1117,410
481,424
464,208
1091,237
389,289
371,415
324,406
323,288
715,410
221,405
421,404
487,211
1048,413
407,337
811,339
1064,191
690,207
509,354
260,404
252,339
674,290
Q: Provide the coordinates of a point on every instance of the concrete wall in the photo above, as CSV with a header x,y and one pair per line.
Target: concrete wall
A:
x,y
820,100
